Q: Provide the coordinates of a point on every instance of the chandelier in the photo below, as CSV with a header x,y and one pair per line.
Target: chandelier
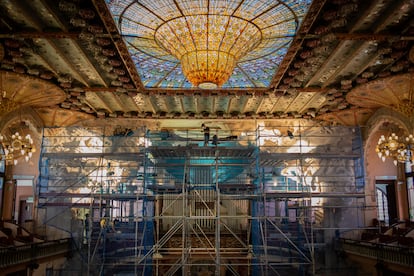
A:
x,y
395,147
208,45
17,147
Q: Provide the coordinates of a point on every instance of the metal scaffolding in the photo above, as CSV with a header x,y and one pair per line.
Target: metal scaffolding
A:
x,y
266,202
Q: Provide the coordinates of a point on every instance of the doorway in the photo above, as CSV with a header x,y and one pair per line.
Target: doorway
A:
x,y
386,201
25,211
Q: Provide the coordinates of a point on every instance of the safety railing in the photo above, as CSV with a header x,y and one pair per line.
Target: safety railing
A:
x,y
382,252
35,252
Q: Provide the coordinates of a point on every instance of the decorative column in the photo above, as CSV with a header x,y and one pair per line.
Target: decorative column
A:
x,y
402,193
8,195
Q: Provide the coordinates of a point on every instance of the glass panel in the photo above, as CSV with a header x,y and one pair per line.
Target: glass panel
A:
x,y
410,190
382,204
2,162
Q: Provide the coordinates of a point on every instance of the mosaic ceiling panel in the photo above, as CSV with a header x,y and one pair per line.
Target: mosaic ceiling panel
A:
x,y
138,22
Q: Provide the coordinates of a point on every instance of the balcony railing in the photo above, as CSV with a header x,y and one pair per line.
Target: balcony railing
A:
x,y
10,256
382,252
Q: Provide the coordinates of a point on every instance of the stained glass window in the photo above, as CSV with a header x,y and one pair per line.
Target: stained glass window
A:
x,y
161,35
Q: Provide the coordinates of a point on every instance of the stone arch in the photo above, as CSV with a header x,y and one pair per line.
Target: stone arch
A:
x,y
25,114
374,166
382,116
25,117
388,115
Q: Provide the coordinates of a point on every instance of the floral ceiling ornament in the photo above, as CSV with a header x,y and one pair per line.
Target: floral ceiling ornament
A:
x,y
6,104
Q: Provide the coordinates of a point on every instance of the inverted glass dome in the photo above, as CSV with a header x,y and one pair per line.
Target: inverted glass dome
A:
x,y
210,43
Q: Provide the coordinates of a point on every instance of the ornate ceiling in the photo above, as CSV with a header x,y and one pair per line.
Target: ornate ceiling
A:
x,y
340,67
27,91
156,30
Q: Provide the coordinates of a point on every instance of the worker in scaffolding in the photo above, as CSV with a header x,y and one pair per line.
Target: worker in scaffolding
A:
x,y
87,227
103,222
206,131
215,140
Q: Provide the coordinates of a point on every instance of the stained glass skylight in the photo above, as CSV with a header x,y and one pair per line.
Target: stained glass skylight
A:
x,y
163,35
